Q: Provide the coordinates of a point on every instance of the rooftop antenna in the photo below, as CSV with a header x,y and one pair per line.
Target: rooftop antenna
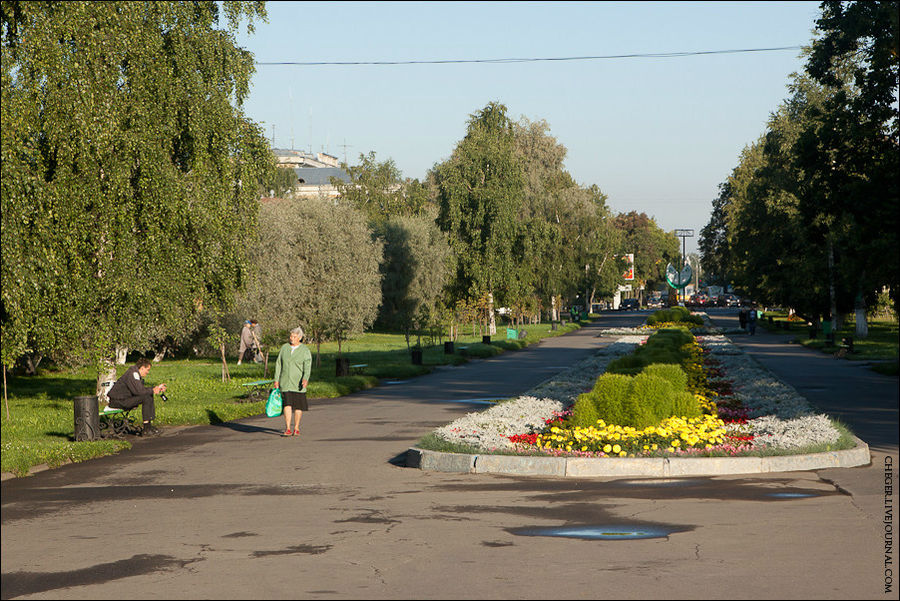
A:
x,y
310,130
291,100
345,146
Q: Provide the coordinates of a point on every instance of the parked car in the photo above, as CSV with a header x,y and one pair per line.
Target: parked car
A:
x,y
629,304
732,301
655,303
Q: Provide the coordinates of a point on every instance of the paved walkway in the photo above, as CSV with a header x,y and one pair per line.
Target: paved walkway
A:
x,y
235,511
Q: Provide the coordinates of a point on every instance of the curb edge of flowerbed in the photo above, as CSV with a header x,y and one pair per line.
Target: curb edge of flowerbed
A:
x,y
657,467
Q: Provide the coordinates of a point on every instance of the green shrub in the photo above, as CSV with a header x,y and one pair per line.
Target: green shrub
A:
x,y
686,405
676,315
651,399
609,394
629,365
672,373
584,413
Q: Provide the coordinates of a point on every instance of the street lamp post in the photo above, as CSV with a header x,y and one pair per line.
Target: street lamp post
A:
x,y
683,234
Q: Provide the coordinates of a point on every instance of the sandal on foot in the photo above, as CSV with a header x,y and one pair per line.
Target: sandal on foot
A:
x,y
287,433
297,432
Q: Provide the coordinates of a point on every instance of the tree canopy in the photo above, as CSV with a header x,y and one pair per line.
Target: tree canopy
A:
x,y
129,173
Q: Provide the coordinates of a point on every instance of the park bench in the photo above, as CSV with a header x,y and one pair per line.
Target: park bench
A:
x,y
117,422
258,390
357,368
846,346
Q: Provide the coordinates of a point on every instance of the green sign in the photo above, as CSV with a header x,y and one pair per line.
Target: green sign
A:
x,y
678,279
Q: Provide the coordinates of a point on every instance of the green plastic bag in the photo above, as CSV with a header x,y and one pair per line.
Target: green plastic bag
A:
x,y
273,405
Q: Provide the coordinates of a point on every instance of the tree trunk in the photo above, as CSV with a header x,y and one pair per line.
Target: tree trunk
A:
x,y
106,377
862,327
225,375
32,360
121,354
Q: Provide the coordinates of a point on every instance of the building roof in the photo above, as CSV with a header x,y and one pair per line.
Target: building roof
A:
x,y
319,176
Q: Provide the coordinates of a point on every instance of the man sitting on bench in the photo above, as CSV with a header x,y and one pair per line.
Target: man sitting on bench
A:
x,y
129,391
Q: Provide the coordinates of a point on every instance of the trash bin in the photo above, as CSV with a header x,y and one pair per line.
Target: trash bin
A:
x,y
486,339
341,366
829,333
87,418
448,347
416,356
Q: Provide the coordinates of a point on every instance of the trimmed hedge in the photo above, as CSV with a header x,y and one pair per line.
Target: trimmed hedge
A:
x,y
643,388
674,315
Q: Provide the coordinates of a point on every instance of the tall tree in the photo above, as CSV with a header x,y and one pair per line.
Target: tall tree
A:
x,y
653,247
316,264
479,194
848,153
414,271
129,173
379,190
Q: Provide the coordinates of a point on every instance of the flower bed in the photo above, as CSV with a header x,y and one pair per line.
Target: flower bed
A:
x,y
753,412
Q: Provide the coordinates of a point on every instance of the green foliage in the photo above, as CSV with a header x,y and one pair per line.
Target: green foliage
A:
x,y
674,315
130,176
584,412
479,192
315,263
672,373
812,205
643,388
609,394
653,247
379,191
414,271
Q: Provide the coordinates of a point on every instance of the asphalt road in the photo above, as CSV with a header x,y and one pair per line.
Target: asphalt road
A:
x,y
236,511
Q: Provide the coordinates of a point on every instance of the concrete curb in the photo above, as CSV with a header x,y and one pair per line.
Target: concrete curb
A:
x,y
657,467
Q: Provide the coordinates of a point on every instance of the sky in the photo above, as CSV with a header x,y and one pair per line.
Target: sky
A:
x,y
657,135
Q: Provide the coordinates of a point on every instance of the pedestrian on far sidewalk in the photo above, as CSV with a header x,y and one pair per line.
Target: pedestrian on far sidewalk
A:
x,y
751,320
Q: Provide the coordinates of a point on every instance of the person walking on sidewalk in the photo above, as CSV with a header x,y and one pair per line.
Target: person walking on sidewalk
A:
x,y
751,320
292,370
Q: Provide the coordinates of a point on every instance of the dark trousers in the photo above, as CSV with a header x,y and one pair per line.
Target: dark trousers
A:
x,y
148,408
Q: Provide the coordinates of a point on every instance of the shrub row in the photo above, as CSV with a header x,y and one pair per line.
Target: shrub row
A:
x,y
643,388
674,315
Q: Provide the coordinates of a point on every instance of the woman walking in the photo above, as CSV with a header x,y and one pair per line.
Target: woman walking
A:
x,y
292,369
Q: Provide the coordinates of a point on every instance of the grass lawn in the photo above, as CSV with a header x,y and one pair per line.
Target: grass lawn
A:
x,y
41,427
879,347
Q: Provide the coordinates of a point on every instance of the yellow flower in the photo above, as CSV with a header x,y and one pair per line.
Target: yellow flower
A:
x,y
607,448
616,448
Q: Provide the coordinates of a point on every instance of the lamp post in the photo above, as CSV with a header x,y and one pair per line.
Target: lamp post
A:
x,y
683,234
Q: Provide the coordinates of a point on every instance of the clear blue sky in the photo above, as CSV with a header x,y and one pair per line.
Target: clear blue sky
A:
x,y
655,134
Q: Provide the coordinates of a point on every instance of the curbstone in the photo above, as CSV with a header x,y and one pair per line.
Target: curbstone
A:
x,y
659,467
521,466
617,466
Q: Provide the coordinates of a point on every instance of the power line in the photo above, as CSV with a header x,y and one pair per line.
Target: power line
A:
x,y
529,60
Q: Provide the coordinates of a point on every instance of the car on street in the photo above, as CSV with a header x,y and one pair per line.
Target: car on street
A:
x,y
629,304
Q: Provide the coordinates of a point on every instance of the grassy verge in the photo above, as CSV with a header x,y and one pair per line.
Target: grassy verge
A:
x,y
40,429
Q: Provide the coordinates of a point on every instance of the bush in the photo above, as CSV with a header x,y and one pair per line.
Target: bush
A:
x,y
584,414
672,373
686,405
651,400
609,395
643,388
674,315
